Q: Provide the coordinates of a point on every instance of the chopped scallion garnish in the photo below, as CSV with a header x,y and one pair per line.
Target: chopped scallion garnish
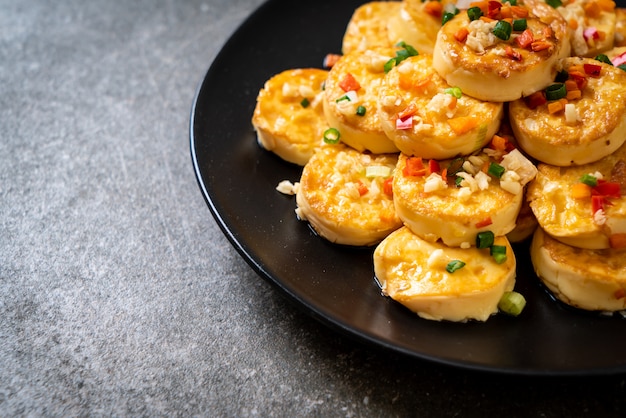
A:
x,y
589,180
454,265
361,110
484,239
343,98
474,13
554,3
519,25
305,103
454,91
377,171
331,136
502,30
512,303
603,58
556,91
561,76
495,170
389,65
455,166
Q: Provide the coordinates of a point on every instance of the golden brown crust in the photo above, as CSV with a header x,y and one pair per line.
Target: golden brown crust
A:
x,y
600,127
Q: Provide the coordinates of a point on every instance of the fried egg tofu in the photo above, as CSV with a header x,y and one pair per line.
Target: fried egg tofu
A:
x,y
489,60
417,23
415,273
575,213
367,27
583,129
592,25
425,116
289,117
620,27
435,207
593,280
345,195
351,99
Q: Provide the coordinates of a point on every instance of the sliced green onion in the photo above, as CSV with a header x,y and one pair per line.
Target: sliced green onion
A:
x,y
361,110
554,3
495,170
454,91
502,30
343,98
556,91
474,13
377,171
408,48
454,265
331,136
498,254
561,76
305,103
446,17
389,65
455,166
589,180
603,58
484,239
458,180
622,67
519,25
513,2
512,303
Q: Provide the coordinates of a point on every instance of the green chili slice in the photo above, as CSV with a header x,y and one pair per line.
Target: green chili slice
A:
x,y
331,136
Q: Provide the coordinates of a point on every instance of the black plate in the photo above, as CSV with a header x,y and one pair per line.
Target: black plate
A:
x,y
336,284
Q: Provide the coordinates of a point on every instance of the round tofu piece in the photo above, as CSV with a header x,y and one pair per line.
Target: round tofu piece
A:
x,y
620,27
351,99
289,117
413,272
593,280
417,23
588,127
435,208
367,27
525,224
346,196
577,219
468,54
425,116
592,25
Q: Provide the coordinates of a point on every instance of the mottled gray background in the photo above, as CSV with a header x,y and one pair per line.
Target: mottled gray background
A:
x,y
119,295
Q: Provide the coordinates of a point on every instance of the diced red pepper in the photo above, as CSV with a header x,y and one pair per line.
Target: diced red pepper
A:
x,y
617,241
592,70
362,189
388,186
330,60
597,203
513,54
433,166
485,222
607,189
525,39
414,167
349,83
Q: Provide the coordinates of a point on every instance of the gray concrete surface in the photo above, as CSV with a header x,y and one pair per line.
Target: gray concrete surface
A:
x,y
119,295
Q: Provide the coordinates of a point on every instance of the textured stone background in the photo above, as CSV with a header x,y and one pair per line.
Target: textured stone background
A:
x,y
120,296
